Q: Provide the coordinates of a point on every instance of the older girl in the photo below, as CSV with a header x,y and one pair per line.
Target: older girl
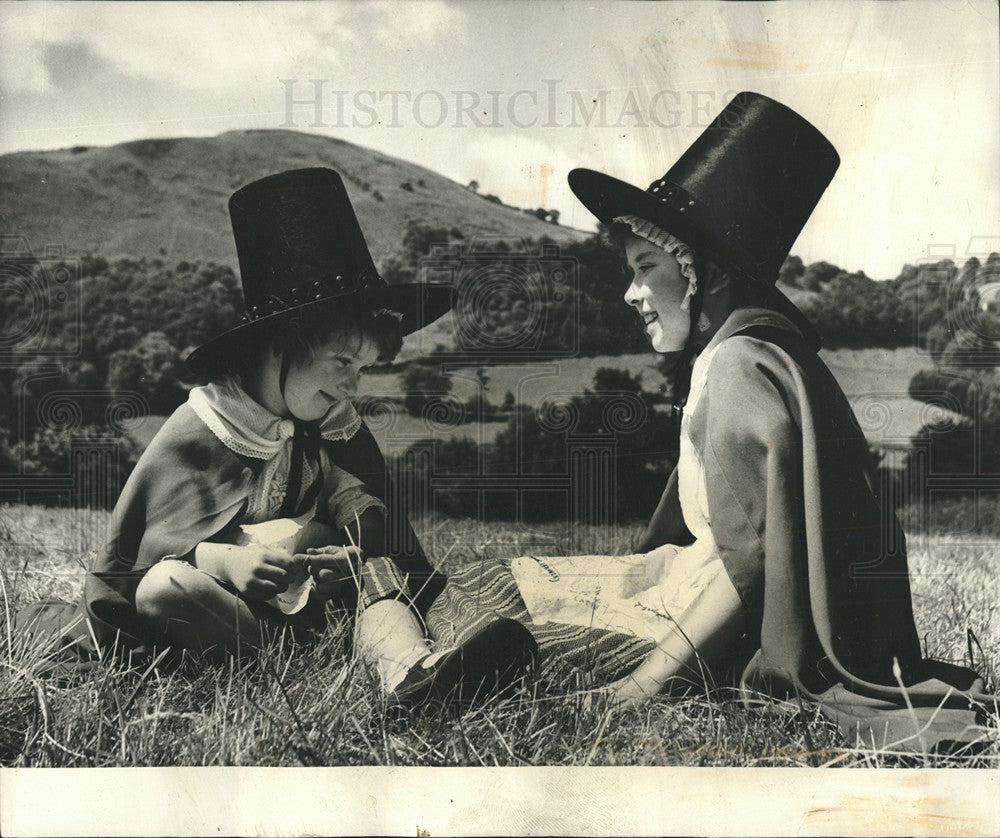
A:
x,y
770,547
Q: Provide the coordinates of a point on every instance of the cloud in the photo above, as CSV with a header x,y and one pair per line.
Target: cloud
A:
x,y
526,171
24,31
191,48
395,24
207,47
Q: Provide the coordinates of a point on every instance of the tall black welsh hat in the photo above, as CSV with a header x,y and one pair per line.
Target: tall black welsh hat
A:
x,y
300,245
740,195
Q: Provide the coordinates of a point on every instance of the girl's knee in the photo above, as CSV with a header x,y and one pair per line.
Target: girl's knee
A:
x,y
166,589
191,609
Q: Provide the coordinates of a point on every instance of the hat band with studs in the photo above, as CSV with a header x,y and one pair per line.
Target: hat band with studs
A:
x,y
309,292
677,198
674,196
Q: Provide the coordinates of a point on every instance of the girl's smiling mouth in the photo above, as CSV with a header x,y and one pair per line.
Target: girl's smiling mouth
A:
x,y
649,317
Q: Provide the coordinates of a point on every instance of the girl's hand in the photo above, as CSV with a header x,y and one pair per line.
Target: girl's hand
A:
x,y
331,567
261,572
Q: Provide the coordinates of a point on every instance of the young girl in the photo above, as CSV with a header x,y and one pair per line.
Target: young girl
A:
x,y
265,495
770,547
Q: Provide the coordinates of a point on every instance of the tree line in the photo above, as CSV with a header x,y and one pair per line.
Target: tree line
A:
x,y
113,329
963,343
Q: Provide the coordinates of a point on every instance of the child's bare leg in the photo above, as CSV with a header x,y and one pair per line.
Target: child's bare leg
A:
x,y
390,637
194,611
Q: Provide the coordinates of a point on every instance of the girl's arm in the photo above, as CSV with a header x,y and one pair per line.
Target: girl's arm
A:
x,y
317,534
331,565
368,531
712,624
749,437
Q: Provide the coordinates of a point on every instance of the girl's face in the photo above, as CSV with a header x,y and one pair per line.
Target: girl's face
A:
x,y
330,375
657,290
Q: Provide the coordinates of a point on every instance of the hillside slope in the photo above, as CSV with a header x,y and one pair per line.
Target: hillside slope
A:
x,y
168,197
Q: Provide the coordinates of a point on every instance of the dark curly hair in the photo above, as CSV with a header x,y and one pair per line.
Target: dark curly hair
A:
x,y
296,334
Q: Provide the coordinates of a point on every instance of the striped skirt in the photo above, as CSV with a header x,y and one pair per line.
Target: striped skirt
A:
x,y
571,657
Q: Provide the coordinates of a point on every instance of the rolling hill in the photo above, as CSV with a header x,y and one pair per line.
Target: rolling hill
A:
x,y
168,197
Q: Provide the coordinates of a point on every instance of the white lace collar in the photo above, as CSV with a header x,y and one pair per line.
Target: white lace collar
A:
x,y
250,429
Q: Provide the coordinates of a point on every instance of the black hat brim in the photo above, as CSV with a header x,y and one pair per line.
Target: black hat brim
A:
x,y
609,198
418,304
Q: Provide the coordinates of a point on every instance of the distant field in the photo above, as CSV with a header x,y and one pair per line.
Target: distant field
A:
x,y
875,380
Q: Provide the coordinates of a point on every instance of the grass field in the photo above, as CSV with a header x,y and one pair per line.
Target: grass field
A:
x,y
319,707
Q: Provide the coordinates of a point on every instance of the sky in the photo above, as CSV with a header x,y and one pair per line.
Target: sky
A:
x,y
514,94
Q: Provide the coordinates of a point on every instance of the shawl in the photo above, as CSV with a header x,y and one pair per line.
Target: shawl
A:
x,y
819,564
251,430
248,428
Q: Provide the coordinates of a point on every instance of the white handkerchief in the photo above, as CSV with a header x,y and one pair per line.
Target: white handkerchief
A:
x,y
295,598
282,535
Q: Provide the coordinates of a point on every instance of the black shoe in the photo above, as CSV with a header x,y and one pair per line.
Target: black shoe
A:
x,y
489,664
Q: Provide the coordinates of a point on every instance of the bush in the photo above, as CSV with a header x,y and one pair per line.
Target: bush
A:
x,y
616,418
965,380
477,409
95,459
421,385
152,369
